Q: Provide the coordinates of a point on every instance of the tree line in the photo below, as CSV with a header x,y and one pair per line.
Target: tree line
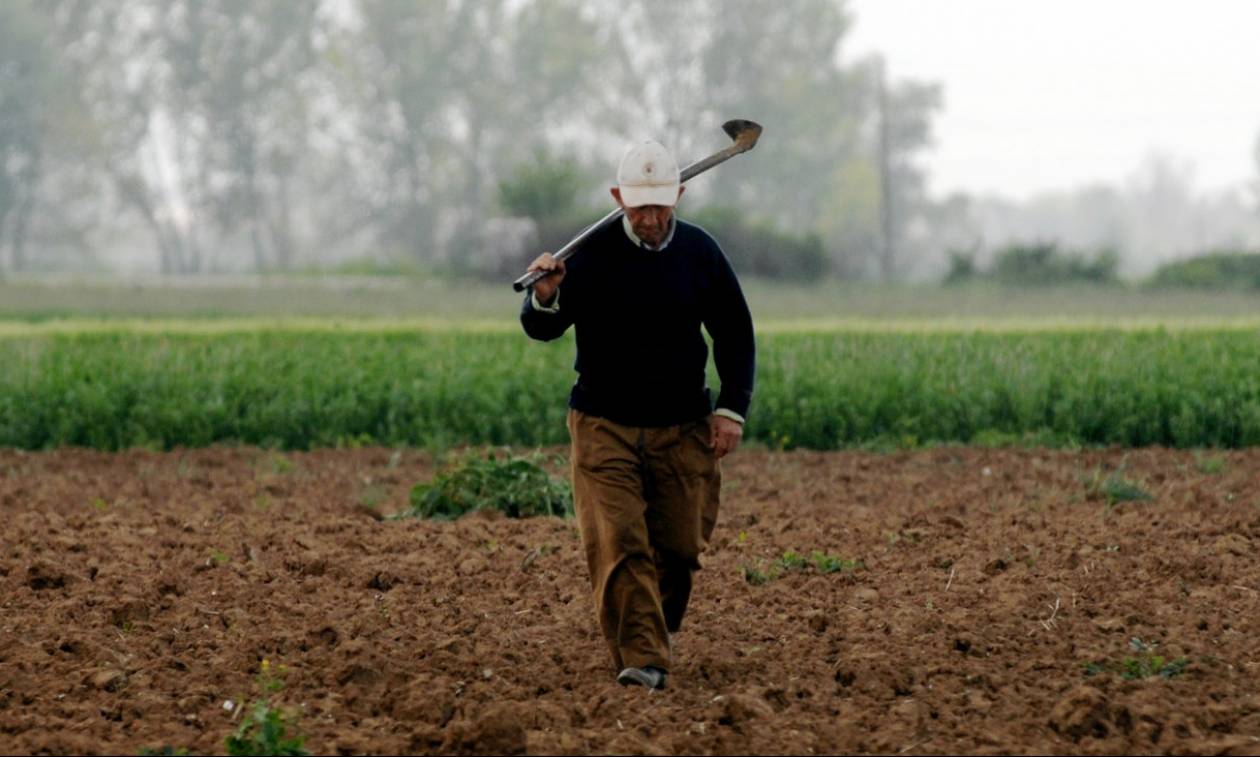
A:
x,y
191,136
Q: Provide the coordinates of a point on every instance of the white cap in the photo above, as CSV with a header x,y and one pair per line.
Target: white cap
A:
x,y
648,175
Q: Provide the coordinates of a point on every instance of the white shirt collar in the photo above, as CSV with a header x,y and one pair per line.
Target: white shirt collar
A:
x,y
669,236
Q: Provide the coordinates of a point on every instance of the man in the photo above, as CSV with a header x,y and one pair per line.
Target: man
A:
x,y
645,438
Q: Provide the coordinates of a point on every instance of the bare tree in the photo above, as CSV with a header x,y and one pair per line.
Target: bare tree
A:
x,y
24,91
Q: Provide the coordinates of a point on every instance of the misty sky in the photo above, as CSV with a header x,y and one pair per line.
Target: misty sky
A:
x,y
1052,95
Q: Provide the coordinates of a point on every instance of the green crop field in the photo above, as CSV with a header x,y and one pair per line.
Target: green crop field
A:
x,y
319,383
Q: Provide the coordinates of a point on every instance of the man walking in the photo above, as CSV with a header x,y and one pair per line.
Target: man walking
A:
x,y
645,438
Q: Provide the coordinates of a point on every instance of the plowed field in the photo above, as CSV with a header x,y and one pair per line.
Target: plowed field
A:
x,y
1003,603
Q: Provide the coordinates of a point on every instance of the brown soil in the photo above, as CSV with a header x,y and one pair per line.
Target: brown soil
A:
x,y
141,591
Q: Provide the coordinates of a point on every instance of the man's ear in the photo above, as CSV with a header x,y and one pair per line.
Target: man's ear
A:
x,y
681,188
616,193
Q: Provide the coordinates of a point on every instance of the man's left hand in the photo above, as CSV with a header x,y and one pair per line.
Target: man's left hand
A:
x,y
724,435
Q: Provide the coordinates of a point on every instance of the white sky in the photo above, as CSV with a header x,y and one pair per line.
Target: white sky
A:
x,y
1053,94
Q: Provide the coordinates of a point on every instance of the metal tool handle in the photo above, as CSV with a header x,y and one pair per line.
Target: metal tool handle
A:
x,y
745,133
528,279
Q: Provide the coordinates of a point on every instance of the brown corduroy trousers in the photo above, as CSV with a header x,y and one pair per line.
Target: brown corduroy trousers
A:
x,y
646,501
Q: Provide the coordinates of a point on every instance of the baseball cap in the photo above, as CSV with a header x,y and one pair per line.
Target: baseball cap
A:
x,y
648,175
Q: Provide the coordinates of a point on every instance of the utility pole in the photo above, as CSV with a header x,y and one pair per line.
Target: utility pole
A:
x,y
887,218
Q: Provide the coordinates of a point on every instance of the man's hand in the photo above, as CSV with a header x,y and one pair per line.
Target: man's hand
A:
x,y
545,288
724,435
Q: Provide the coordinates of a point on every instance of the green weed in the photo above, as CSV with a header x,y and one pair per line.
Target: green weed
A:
x,y
1143,664
280,464
1114,488
267,730
372,496
1209,465
758,577
518,486
831,564
794,562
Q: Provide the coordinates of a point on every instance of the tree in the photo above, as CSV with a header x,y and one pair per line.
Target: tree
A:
x,y
817,168
448,94
198,116
1255,187
903,113
546,190
233,85
25,72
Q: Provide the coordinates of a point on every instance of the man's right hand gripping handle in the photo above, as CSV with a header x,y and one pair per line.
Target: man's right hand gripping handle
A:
x,y
545,288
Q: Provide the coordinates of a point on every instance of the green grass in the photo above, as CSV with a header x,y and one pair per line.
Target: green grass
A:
x,y
300,387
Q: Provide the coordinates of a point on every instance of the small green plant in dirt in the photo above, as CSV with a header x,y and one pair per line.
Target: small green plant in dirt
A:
x,y
541,550
792,561
163,751
823,563
795,562
1210,465
757,576
280,464
1143,664
518,486
1114,488
372,496
267,730
831,564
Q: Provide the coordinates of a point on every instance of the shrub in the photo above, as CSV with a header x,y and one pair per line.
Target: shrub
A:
x,y
761,249
1215,270
962,267
547,191
1045,264
1035,264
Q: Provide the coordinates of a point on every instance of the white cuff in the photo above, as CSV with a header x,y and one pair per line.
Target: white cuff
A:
x,y
536,305
730,414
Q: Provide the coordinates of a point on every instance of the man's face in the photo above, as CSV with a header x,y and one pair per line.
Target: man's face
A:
x,y
650,222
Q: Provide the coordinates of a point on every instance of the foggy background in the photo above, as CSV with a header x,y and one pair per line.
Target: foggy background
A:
x,y
184,138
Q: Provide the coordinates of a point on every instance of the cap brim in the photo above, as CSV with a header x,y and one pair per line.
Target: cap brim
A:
x,y
666,194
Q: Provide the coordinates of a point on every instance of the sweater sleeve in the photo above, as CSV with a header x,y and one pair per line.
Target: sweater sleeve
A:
x,y
545,324
729,322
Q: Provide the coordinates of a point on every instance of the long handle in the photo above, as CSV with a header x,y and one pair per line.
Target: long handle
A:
x,y
529,279
745,133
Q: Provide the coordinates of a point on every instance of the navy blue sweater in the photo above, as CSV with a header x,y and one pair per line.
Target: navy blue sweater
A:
x,y
637,314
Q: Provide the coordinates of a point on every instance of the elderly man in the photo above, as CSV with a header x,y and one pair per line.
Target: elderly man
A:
x,y
646,438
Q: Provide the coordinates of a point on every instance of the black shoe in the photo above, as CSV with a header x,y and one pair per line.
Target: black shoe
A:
x,y
653,678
